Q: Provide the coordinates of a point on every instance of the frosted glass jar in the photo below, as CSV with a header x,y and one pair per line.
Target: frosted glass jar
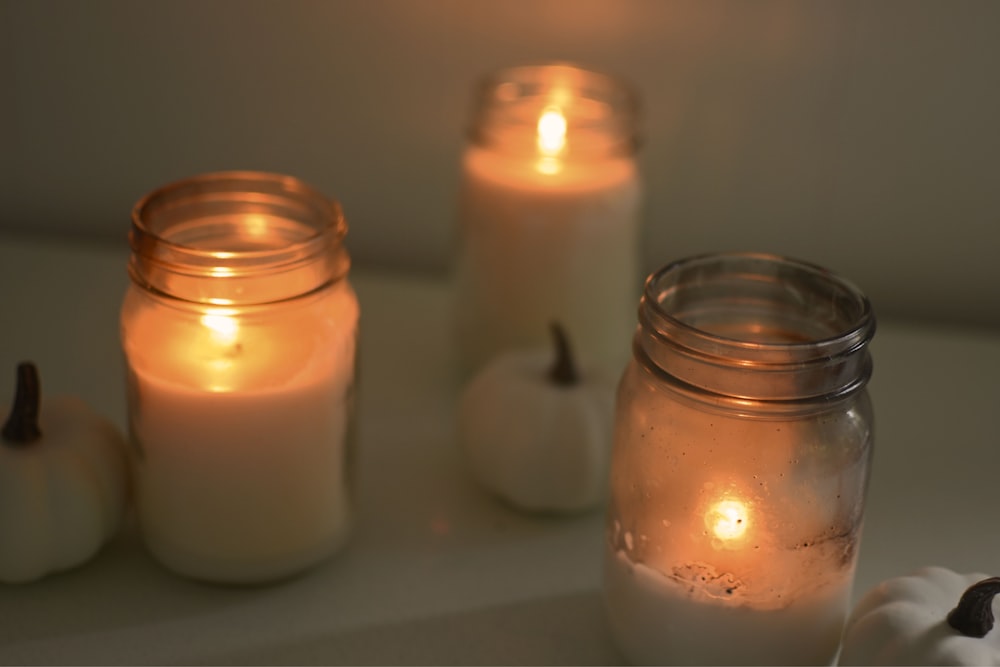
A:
x,y
549,215
239,331
743,441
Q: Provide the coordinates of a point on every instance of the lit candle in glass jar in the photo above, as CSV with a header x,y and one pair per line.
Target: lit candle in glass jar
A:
x,y
239,334
740,465
549,215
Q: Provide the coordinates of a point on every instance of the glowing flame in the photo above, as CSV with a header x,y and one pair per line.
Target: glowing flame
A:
x,y
222,326
727,519
551,131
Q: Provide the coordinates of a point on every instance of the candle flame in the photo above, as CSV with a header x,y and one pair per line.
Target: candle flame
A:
x,y
551,132
728,519
221,325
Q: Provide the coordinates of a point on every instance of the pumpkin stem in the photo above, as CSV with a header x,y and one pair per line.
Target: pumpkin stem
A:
x,y
22,424
563,371
973,616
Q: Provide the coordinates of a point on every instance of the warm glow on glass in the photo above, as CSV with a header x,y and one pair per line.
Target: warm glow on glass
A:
x,y
255,225
727,519
221,271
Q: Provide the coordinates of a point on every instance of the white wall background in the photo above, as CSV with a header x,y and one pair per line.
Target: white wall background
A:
x,y
859,134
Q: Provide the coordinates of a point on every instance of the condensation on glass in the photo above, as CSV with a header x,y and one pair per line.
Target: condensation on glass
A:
x,y
742,448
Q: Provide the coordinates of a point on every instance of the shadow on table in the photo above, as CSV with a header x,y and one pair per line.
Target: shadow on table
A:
x,y
566,630
121,587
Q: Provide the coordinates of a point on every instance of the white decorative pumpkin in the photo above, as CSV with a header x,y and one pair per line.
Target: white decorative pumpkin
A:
x,y
536,434
63,483
931,617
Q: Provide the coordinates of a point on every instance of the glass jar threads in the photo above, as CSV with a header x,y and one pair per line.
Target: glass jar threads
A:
x,y
239,331
742,447
549,215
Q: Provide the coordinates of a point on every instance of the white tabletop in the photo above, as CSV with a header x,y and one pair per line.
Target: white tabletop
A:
x,y
437,571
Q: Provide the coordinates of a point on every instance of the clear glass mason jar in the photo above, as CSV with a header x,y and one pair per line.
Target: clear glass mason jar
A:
x,y
239,330
549,215
742,447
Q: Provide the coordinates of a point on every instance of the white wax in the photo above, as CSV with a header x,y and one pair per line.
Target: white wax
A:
x,y
537,247
242,448
657,619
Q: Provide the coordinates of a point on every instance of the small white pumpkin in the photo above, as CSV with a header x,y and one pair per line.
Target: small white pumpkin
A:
x,y
933,616
63,479
538,434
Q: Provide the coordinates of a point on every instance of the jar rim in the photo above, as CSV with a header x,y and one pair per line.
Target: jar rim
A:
x,y
755,326
862,322
237,237
518,94
577,77
245,183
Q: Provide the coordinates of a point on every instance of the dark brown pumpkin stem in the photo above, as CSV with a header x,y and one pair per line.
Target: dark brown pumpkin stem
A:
x,y
22,424
973,616
563,371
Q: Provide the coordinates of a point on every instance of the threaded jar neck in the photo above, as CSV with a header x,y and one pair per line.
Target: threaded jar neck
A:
x,y
732,328
600,110
237,238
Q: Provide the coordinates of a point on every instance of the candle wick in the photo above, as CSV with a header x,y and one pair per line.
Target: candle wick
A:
x,y
21,427
564,372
